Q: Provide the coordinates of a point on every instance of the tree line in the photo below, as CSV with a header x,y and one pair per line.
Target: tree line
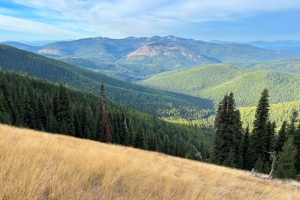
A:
x,y
241,148
41,105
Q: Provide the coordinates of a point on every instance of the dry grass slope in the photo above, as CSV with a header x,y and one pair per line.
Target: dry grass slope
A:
x,y
45,166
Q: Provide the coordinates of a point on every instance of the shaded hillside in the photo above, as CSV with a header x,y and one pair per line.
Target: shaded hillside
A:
x,y
131,95
143,57
101,171
213,81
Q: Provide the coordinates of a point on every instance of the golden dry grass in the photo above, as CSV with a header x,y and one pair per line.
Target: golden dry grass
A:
x,y
37,165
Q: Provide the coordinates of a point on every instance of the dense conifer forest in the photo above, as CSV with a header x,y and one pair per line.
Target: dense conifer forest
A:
x,y
41,105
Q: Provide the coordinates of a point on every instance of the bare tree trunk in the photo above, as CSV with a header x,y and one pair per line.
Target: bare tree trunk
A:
x,y
273,157
198,154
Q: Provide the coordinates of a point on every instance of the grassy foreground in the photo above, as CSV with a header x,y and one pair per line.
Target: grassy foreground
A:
x,y
36,165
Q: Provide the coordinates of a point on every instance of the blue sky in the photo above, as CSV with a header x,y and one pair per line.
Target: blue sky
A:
x,y
230,20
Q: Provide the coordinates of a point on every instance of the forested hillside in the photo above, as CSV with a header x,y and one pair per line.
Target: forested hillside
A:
x,y
278,113
40,105
212,81
151,101
289,65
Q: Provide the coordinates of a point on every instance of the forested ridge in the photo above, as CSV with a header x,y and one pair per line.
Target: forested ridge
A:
x,y
148,100
143,57
41,105
212,81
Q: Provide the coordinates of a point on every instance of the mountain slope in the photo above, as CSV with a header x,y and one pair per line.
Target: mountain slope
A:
x,y
40,105
214,81
144,57
289,65
131,95
193,80
278,113
102,171
286,45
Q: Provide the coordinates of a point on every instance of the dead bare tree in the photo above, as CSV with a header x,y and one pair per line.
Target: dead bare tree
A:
x,y
273,158
198,154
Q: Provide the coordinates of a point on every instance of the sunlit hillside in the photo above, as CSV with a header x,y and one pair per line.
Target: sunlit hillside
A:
x,y
278,113
37,165
214,81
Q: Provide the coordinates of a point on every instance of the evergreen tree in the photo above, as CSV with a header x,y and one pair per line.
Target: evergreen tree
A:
x,y
139,141
77,124
296,143
230,160
245,145
131,138
286,161
105,130
41,116
238,139
228,133
281,138
260,132
4,113
291,129
28,111
123,130
62,111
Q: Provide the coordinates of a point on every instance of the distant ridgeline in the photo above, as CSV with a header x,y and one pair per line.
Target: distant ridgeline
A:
x,y
41,105
155,102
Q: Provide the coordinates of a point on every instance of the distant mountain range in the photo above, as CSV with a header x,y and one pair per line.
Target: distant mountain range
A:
x,y
137,97
286,45
139,58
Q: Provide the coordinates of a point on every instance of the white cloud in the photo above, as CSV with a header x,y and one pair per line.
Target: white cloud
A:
x,y
119,18
21,25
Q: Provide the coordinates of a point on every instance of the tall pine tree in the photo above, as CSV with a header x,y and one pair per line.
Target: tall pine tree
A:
x,y
228,133
260,130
